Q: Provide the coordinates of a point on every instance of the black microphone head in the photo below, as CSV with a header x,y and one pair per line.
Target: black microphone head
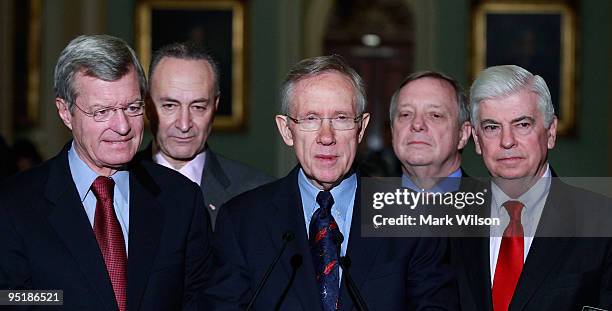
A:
x,y
288,236
296,261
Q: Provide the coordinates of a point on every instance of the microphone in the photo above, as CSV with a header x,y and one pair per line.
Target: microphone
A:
x,y
345,264
288,236
296,263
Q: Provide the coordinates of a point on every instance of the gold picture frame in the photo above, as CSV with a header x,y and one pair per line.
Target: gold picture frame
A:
x,y
536,35
219,25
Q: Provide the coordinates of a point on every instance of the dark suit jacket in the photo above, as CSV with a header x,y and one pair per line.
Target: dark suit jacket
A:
x,y
391,273
222,179
47,242
560,273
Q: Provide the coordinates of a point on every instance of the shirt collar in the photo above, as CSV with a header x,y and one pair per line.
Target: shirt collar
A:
x,y
343,194
192,169
449,184
84,176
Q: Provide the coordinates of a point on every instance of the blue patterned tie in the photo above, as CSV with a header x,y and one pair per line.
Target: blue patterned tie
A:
x,y
323,230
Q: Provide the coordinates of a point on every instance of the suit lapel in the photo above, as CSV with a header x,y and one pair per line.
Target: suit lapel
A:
x,y
144,234
545,252
289,217
361,251
214,184
67,216
475,258
475,251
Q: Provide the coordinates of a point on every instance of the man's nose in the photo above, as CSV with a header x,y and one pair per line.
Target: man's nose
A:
x,y
119,122
327,134
183,121
418,123
507,140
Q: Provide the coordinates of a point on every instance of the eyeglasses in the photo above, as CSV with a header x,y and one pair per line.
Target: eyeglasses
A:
x,y
313,123
105,113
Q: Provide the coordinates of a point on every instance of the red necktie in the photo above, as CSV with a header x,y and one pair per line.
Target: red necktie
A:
x,y
510,258
110,238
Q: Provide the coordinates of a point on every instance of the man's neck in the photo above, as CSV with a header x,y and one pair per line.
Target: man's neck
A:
x,y
514,188
426,177
176,164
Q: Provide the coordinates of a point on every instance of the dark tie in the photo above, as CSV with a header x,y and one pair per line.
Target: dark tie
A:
x,y
510,258
110,238
323,236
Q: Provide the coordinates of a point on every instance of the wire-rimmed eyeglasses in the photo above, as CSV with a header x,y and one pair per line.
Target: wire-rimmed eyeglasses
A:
x,y
105,113
313,123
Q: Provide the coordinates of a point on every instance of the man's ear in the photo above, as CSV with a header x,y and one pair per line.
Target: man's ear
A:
x,y
217,102
464,134
365,119
552,133
476,142
284,130
64,112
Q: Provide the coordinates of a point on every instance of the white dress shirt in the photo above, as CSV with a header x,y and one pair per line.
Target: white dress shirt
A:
x,y
192,170
533,200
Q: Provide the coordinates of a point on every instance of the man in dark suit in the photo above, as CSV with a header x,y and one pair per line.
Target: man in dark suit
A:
x,y
183,98
543,256
111,235
315,212
430,127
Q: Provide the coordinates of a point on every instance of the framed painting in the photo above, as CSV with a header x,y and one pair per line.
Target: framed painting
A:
x,y
219,26
538,36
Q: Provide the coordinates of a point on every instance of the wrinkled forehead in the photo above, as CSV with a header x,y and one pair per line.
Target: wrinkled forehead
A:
x,y
324,93
122,90
429,92
510,107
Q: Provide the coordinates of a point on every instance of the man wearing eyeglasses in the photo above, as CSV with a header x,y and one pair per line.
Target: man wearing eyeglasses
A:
x,y
311,218
109,233
183,99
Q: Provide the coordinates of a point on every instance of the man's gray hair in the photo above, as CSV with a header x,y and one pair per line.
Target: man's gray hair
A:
x,y
315,66
101,56
459,93
186,51
506,80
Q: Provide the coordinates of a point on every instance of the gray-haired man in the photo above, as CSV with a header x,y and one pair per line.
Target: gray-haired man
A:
x,y
541,260
430,127
111,235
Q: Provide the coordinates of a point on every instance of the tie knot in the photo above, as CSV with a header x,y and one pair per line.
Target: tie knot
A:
x,y
325,201
514,209
103,188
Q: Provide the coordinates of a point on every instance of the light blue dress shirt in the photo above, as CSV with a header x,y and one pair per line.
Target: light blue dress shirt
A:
x,y
342,210
448,184
83,178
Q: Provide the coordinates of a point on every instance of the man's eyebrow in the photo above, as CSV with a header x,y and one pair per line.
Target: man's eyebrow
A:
x,y
489,121
200,100
523,118
170,99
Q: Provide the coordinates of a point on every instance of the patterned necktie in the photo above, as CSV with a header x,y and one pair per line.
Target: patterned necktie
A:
x,y
510,259
110,238
323,232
